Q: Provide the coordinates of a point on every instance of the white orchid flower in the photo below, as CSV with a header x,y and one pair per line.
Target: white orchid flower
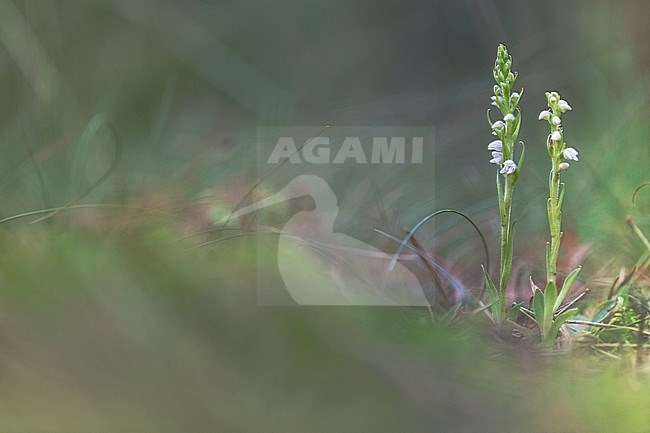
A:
x,y
564,106
509,167
497,158
556,136
570,153
496,145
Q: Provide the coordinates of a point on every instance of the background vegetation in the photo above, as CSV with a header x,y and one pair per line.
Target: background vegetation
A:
x,y
111,320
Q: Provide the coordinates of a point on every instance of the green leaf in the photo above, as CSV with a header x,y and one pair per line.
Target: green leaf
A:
x,y
527,333
538,309
559,321
493,292
493,297
521,159
604,310
566,286
517,125
550,296
490,122
548,254
511,314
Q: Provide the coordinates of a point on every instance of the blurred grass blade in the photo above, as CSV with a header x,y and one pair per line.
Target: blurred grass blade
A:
x,y
636,191
420,223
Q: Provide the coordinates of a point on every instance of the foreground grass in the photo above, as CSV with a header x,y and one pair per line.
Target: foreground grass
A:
x,y
131,331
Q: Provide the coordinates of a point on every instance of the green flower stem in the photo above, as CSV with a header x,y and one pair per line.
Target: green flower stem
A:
x,y
554,221
554,224
506,242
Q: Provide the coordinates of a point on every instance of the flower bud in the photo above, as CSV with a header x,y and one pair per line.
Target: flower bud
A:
x,y
563,166
556,121
544,115
509,117
553,98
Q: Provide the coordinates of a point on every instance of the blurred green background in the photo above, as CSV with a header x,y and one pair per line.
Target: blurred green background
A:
x,y
110,320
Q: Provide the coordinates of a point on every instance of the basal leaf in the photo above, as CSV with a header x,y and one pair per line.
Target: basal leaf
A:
x,y
550,296
511,314
559,321
538,308
565,287
493,297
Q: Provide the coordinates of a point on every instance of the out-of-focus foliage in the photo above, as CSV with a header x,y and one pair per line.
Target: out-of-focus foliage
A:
x,y
109,321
